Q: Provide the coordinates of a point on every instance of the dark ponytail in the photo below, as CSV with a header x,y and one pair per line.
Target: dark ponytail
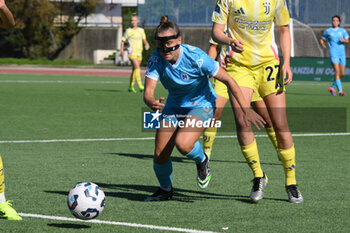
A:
x,y
164,19
165,24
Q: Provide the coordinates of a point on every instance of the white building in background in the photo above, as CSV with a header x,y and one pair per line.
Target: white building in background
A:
x,y
128,3
107,15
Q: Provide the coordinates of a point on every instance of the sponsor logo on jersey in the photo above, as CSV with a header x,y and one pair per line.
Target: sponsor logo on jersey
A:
x,y
240,11
217,9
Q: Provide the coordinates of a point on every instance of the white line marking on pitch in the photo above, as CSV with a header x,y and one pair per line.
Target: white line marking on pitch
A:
x,y
80,140
114,223
152,138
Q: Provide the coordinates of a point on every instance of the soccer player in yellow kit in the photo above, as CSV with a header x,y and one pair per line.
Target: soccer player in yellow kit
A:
x,y
223,96
6,210
136,37
255,66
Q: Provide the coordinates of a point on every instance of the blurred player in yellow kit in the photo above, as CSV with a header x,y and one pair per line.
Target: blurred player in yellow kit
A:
x,y
136,37
6,210
255,66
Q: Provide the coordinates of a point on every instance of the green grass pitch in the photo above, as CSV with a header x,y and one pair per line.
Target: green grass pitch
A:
x,y
39,175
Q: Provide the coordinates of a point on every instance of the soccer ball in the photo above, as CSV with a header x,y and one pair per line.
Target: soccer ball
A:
x,y
86,200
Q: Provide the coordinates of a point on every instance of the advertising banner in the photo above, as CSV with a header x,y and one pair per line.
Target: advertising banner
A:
x,y
315,69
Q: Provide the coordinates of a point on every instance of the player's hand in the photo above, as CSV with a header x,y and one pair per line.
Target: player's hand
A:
x,y
287,74
158,105
121,52
147,46
237,45
2,3
254,118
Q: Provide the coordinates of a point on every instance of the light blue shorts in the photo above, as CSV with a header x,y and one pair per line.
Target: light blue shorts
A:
x,y
176,114
341,59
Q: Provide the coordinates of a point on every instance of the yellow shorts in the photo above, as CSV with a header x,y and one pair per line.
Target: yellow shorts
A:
x,y
221,89
264,79
135,56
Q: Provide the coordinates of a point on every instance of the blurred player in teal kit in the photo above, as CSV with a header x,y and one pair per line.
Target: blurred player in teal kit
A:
x,y
184,71
336,37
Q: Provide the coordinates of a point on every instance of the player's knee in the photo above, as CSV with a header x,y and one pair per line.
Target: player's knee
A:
x,y
218,113
281,126
184,147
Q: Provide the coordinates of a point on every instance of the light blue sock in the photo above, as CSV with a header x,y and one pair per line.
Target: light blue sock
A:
x,y
163,173
197,153
340,88
334,85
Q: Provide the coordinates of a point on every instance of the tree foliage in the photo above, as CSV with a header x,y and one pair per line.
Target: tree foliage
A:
x,y
36,35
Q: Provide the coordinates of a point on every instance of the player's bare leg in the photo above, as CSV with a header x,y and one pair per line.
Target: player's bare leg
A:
x,y
249,148
276,105
260,108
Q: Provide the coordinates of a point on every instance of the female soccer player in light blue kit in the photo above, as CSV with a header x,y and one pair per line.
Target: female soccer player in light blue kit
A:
x,y
336,37
184,71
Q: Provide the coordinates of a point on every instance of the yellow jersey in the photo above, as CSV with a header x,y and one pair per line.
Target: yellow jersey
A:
x,y
135,38
252,22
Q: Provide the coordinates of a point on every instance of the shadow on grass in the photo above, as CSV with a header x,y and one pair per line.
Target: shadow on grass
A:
x,y
148,156
139,193
69,225
181,159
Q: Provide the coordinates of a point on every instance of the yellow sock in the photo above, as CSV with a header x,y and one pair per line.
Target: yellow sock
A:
x,y
208,139
288,160
272,135
2,177
132,79
251,155
137,73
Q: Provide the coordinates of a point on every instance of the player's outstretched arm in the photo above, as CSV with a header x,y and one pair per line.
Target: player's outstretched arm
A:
x,y
322,42
6,16
122,48
250,115
148,95
145,42
346,41
285,40
213,51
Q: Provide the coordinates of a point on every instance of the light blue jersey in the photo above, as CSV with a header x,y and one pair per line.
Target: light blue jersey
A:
x,y
336,46
187,81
